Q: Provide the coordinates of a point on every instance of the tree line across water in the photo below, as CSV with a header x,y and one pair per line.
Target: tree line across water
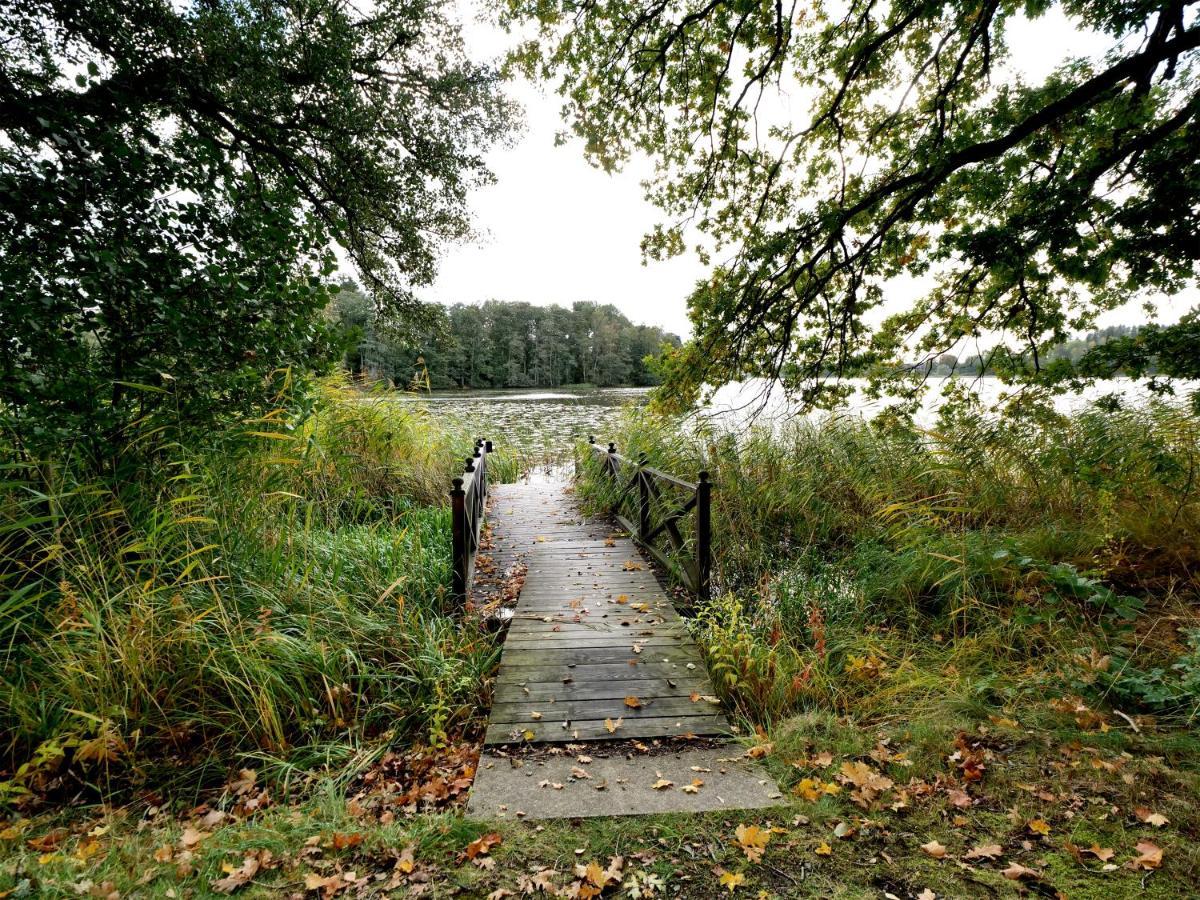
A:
x,y
500,344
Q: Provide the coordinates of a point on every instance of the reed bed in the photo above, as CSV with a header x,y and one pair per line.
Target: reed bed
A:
x,y
277,592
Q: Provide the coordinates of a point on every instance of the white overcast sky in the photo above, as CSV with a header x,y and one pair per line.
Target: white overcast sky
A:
x,y
553,229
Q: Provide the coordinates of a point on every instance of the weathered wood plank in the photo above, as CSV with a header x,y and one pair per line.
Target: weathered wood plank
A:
x,y
573,652
522,711
515,691
593,729
591,656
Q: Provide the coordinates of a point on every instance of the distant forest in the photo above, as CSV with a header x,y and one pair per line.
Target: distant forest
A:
x,y
1073,350
503,345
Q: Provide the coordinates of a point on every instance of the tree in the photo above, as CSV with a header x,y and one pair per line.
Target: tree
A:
x,y
503,345
172,178
1033,207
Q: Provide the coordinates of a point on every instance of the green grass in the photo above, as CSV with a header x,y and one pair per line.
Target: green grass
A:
x,y
863,566
276,600
278,596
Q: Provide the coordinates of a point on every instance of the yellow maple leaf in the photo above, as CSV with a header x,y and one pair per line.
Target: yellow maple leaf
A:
x,y
731,881
753,841
1039,826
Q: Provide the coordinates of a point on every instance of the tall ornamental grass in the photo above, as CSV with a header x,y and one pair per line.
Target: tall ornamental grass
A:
x,y
278,592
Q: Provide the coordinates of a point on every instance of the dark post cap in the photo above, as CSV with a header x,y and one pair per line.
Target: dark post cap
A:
x,y
458,484
704,475
470,467
612,448
591,439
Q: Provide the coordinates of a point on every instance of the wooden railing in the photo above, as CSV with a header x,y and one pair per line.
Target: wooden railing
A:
x,y
467,503
660,514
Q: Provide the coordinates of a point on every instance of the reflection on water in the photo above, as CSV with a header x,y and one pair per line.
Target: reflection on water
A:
x,y
545,425
735,406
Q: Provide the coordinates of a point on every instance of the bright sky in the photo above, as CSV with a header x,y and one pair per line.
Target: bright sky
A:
x,y
555,230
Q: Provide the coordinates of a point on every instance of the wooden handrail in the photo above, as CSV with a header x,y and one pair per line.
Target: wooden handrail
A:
x,y
696,573
468,499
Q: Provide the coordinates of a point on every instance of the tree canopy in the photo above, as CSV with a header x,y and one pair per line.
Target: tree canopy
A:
x,y
172,179
504,345
1025,208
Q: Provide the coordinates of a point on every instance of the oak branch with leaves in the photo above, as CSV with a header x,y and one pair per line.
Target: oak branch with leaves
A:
x,y
1026,209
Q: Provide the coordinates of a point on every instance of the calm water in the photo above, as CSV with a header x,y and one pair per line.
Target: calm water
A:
x,y
545,425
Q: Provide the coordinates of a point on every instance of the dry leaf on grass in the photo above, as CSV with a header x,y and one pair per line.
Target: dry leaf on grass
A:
x,y
731,881
752,840
239,877
1149,856
1016,871
934,849
1158,820
483,845
984,851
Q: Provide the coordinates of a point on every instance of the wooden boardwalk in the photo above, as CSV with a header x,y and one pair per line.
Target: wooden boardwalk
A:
x,y
595,650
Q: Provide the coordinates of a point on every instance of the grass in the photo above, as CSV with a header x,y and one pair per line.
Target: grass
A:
x,y
278,595
998,622
864,566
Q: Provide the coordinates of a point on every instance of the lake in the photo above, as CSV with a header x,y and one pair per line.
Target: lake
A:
x,y
545,425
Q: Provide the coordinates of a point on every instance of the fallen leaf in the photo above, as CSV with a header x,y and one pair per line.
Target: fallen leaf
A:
x,y
823,849
984,851
191,837
1158,820
633,702
1016,871
732,881
694,787
343,841
1104,854
662,784
1039,826
934,849
753,841
535,715
407,862
612,726
483,845
239,877
1149,856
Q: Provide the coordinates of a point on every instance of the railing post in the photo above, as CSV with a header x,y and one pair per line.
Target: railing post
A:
x,y
610,462
703,537
643,498
458,531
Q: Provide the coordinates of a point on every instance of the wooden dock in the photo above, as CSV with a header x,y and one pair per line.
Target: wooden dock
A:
x,y
595,650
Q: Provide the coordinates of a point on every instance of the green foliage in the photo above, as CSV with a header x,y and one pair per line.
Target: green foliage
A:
x,y
172,177
859,559
501,345
1030,206
279,591
1173,690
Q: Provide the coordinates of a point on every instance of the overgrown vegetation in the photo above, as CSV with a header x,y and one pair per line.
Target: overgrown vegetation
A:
x,y
278,594
983,562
